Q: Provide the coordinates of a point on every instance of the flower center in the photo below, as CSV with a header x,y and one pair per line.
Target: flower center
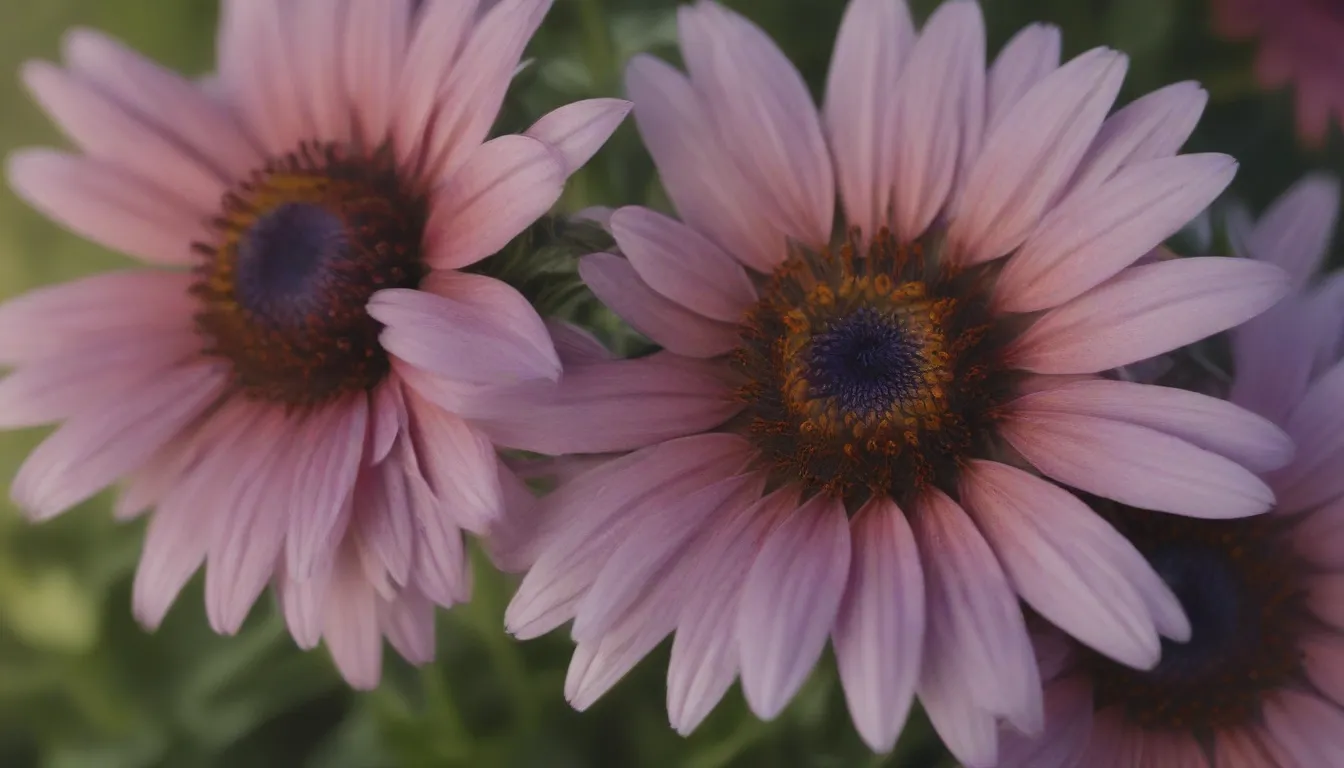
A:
x,y
870,371
300,248
1241,587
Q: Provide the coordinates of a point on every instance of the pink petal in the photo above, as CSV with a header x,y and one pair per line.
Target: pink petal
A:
x,y
101,375
1093,235
698,174
789,603
1295,232
1323,658
255,72
599,508
109,205
938,130
491,336
975,638
1147,310
1215,425
387,417
119,309
95,448
662,542
667,323
766,118
1306,730
874,39
1176,749
331,444
579,129
163,99
704,652
459,464
317,64
303,602
597,666
409,624
383,520
1151,127
1068,724
1031,154
617,406
471,97
244,551
377,44
1024,61
440,31
501,188
1069,564
181,531
1325,597
440,568
1240,749
968,732
351,627
879,631
682,265
116,137
1136,465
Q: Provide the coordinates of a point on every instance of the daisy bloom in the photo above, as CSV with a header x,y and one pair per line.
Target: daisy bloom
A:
x,y
1299,46
272,383
1260,681
853,436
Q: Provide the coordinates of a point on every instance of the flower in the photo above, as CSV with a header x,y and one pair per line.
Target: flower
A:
x,y
273,383
838,438
1260,681
1298,46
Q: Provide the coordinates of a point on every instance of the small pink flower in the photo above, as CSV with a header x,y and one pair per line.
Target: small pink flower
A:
x,y
1260,681
1301,44
279,385
852,441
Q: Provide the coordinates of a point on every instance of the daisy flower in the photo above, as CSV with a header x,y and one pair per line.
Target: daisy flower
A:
x,y
1299,46
1260,681
853,436
268,382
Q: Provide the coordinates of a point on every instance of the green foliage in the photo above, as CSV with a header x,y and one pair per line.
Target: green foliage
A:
x,y
82,686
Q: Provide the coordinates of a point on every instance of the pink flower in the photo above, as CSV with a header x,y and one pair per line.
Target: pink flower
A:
x,y
852,441
1260,682
269,384
1300,45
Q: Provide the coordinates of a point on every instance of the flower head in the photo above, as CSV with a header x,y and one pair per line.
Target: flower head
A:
x,y
853,436
1298,46
279,385
1258,682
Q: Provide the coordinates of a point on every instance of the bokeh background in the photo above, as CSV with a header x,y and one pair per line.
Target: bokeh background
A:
x,y
81,686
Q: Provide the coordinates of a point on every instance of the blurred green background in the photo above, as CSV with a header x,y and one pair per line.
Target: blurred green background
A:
x,y
81,686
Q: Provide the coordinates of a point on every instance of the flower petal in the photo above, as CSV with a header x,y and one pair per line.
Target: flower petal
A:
x,y
699,176
667,323
765,116
332,444
1208,422
939,131
1068,723
1092,236
874,39
1295,232
579,129
1032,153
679,263
1067,563
879,632
789,603
1136,465
110,206
493,336
460,466
1147,310
377,49
504,186
350,625
975,638
1028,57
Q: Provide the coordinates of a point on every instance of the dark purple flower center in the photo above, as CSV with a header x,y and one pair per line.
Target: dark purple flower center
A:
x,y
866,361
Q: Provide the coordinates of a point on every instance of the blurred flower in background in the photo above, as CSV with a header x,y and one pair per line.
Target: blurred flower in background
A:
x,y
1300,45
1261,680
81,683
